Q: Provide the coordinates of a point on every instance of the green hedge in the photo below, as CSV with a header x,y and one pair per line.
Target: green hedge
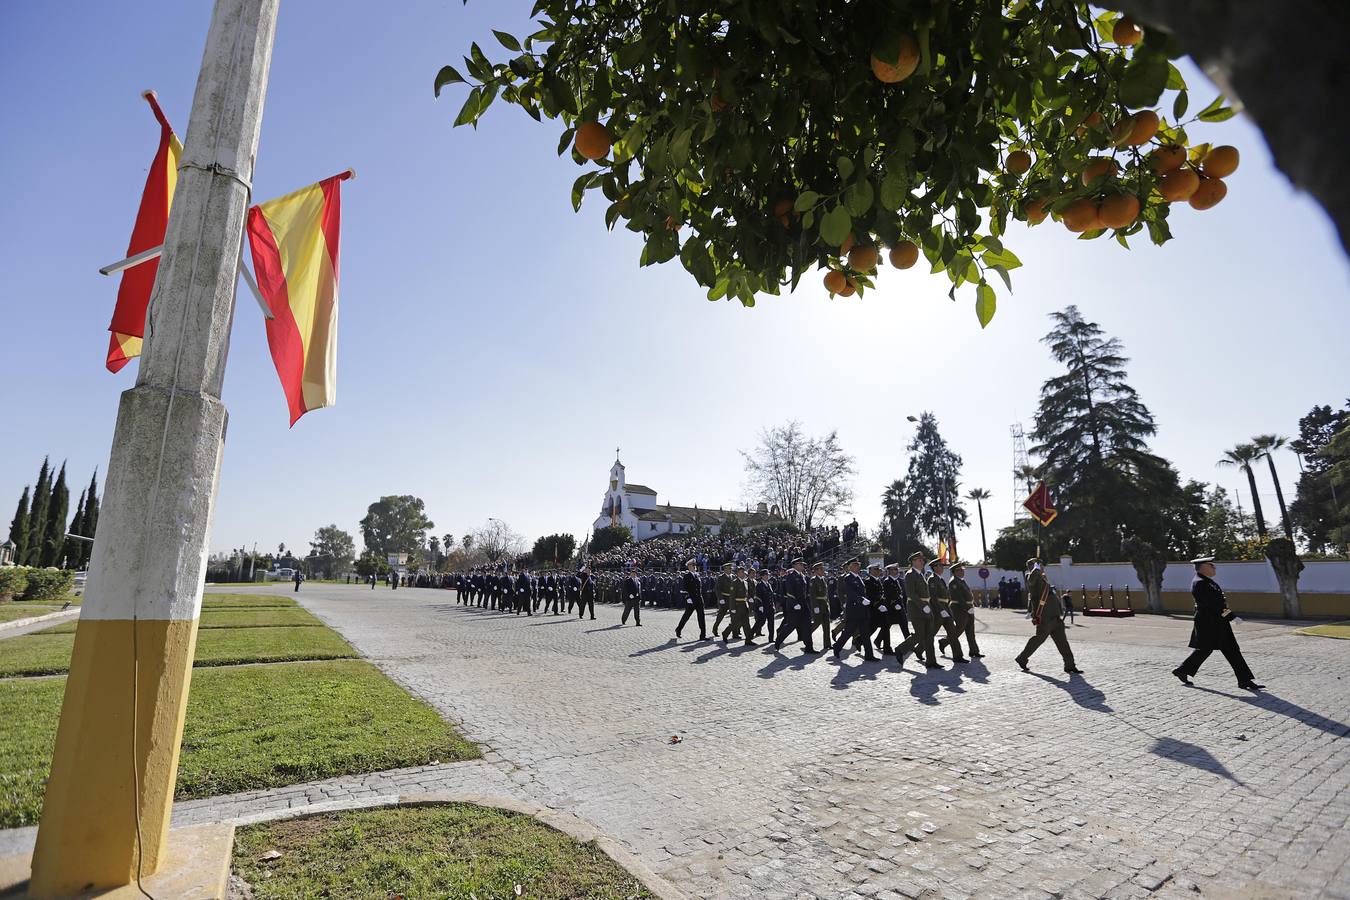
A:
x,y
13,581
48,584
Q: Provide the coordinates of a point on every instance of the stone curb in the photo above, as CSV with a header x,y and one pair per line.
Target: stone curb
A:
x,y
567,823
37,620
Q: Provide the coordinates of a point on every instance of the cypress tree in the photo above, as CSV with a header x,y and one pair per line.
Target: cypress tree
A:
x,y
18,527
54,540
932,481
90,521
37,518
70,550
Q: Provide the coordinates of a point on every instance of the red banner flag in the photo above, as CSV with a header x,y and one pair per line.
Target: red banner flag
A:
x,y
152,220
1038,504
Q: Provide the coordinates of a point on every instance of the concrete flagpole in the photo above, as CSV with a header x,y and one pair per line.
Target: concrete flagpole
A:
x,y
105,819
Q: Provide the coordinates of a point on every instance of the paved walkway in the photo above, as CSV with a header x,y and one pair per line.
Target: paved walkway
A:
x,y
800,777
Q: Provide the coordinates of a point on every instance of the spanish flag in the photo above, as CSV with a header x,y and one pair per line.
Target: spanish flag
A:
x,y
152,219
294,242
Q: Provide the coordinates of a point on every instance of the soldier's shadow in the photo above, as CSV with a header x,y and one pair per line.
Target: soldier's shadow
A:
x,y
1271,703
722,650
925,686
670,644
550,622
1191,755
1080,691
783,661
864,670
613,627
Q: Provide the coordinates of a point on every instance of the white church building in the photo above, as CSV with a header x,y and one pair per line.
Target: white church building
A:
x,y
634,506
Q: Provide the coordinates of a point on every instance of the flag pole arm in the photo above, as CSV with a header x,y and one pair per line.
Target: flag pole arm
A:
x,y
253,286
130,261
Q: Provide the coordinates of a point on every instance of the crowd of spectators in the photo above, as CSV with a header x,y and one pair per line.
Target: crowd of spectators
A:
x,y
773,546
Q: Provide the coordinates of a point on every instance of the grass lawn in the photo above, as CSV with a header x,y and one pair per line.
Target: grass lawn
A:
x,y
1331,630
47,652
251,727
214,601
23,610
231,617
452,851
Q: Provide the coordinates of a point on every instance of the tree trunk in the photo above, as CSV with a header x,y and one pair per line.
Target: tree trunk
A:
x,y
1256,502
1279,495
1150,571
1284,560
1286,61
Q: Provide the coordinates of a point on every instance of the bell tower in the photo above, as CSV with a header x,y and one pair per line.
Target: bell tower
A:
x,y
613,505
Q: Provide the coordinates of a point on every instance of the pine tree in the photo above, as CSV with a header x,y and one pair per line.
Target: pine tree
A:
x,y
54,539
37,519
18,527
1091,431
932,481
70,551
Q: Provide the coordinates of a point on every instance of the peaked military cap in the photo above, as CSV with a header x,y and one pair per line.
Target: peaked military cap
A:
x,y
799,560
849,562
726,566
890,566
819,565
1033,561
691,562
1202,559
916,554
938,562
959,564
871,566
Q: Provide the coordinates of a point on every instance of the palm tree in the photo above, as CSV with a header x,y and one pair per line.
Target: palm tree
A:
x,y
979,494
1241,457
1267,444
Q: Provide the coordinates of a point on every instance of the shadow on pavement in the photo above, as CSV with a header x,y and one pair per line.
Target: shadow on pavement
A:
x,y
670,644
782,660
1191,755
1271,703
1080,691
613,627
864,671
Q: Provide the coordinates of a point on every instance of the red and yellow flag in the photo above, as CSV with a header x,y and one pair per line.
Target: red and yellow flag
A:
x,y
294,241
152,220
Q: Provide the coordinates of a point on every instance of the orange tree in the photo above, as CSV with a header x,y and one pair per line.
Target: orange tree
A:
x,y
756,139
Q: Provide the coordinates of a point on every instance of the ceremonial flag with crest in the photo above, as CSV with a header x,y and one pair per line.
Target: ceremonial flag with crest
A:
x,y
152,220
294,242
1038,504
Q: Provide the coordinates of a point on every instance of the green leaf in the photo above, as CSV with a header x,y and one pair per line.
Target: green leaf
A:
x,y
1222,114
1144,80
447,75
562,95
1179,106
845,168
835,226
507,40
469,111
859,197
1217,103
1174,80
806,200
894,190
985,303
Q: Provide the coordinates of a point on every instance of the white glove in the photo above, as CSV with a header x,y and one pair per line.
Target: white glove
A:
x,y
689,601
867,603
946,615
928,610
881,609
797,606
1236,620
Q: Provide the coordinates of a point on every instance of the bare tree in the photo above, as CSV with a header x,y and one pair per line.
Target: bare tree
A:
x,y
495,541
808,479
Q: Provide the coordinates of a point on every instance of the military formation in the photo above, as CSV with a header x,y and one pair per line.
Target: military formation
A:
x,y
852,609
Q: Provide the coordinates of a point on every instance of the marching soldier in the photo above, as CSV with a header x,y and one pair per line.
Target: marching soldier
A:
x,y
856,612
693,600
725,583
739,608
963,610
632,596
586,594
796,607
1049,618
819,592
1213,629
765,597
894,590
920,640
879,619
940,599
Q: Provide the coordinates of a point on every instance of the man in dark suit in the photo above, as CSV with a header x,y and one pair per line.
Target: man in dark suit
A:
x,y
879,616
796,607
857,614
1213,629
632,596
765,599
692,586
525,590
585,593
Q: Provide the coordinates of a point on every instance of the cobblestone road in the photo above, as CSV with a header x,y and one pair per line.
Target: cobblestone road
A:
x,y
800,777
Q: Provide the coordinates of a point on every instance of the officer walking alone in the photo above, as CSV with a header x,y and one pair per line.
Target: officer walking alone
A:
x,y
693,600
1213,629
1046,612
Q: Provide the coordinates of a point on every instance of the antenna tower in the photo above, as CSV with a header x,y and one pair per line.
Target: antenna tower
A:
x,y
1020,463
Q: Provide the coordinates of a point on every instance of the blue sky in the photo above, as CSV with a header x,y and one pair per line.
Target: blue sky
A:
x,y
495,347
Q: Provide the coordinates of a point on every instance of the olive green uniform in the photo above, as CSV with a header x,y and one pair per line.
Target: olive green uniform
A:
x,y
921,616
963,614
943,617
724,582
1048,614
739,610
820,607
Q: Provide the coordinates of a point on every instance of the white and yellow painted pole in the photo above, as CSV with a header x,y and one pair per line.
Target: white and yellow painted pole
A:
x,y
105,819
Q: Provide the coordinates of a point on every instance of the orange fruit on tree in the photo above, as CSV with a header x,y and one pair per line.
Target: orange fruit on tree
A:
x,y
1209,193
904,254
592,140
847,245
850,288
1143,126
1093,120
835,282
1019,161
1081,215
1119,210
1220,162
718,104
1035,210
1101,166
902,68
863,259
782,209
1179,185
1167,159
1126,33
